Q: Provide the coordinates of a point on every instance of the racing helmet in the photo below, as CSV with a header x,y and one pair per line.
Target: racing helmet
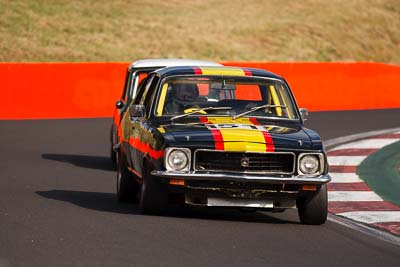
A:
x,y
185,93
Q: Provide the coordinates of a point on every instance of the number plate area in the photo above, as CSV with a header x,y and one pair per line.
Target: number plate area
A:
x,y
237,202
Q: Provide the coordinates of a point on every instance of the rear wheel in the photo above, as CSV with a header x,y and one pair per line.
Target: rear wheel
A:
x,y
154,194
313,209
127,186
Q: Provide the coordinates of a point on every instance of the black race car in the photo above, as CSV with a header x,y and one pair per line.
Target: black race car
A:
x,y
135,73
220,137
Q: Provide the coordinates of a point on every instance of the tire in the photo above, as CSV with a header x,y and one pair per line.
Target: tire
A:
x,y
154,194
127,186
313,209
113,154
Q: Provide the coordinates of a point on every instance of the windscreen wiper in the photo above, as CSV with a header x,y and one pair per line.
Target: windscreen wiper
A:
x,y
258,108
200,110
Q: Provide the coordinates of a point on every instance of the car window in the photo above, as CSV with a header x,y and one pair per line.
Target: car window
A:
x,y
146,90
125,91
140,91
149,97
137,78
250,95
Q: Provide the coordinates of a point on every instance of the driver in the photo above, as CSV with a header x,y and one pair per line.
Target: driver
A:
x,y
182,96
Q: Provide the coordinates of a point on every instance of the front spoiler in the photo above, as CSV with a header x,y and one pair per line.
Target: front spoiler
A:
x,y
243,177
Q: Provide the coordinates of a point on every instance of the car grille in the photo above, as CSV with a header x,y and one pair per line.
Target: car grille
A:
x,y
277,163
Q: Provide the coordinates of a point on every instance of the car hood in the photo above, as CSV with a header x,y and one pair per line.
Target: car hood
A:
x,y
243,135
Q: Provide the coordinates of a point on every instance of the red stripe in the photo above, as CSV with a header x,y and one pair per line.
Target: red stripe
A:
x,y
269,143
145,148
218,140
343,169
254,121
247,72
203,119
197,71
135,172
352,152
217,136
393,227
348,187
347,206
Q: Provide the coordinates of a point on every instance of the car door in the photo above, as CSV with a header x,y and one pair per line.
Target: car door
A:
x,y
124,128
138,126
133,79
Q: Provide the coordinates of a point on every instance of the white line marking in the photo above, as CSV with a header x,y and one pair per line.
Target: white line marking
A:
x,y
365,229
374,143
373,216
345,160
343,196
345,178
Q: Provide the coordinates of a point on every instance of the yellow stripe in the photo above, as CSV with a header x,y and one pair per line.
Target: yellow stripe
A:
x,y
223,71
162,100
251,140
222,120
161,129
275,98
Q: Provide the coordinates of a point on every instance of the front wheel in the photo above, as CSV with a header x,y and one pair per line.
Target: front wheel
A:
x,y
154,194
313,209
113,154
127,187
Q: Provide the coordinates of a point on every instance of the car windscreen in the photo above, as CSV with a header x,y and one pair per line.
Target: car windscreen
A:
x,y
241,96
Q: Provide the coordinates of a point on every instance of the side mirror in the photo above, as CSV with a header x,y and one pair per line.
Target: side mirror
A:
x,y
136,111
303,113
119,104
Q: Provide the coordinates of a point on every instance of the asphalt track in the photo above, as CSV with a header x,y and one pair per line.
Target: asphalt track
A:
x,y
58,208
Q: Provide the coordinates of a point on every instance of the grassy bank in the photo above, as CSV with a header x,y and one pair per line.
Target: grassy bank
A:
x,y
381,171
273,30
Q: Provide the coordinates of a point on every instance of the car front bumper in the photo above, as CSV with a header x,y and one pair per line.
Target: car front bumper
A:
x,y
242,190
244,177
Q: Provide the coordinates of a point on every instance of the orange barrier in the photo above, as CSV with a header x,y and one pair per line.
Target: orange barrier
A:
x,y
79,90
60,90
338,86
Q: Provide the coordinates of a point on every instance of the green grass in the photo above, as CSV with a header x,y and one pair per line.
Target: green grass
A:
x,y
256,30
381,171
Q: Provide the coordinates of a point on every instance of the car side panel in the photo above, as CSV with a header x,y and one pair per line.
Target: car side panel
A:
x,y
138,142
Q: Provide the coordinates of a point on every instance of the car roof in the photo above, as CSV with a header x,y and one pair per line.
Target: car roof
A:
x,y
168,62
216,71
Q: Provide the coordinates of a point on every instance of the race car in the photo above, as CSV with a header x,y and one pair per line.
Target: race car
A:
x,y
135,73
220,137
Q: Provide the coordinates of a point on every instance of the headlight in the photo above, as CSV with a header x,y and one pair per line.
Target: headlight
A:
x,y
310,164
177,159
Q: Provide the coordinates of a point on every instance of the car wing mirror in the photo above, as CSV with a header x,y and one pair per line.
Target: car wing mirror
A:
x,y
303,113
136,111
119,104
